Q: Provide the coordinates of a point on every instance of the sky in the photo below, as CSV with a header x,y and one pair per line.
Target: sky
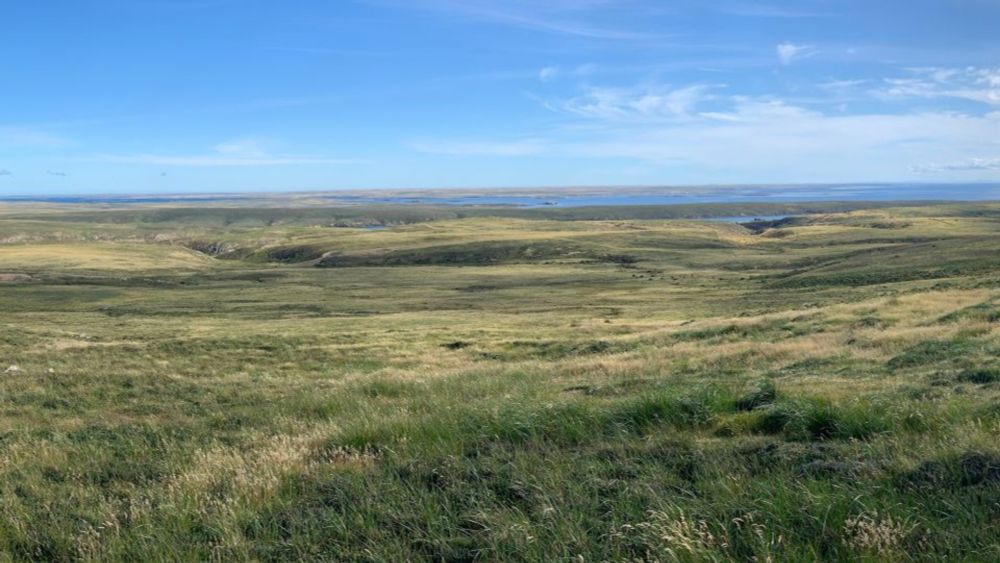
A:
x,y
147,96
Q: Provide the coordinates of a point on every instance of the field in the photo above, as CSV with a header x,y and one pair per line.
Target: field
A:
x,y
499,384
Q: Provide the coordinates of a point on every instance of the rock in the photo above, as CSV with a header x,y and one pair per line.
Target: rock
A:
x,y
12,369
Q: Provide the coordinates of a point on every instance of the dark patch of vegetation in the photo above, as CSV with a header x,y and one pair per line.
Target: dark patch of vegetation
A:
x,y
969,469
929,352
474,254
388,389
219,249
293,254
982,312
620,259
761,394
819,420
553,350
758,227
889,224
732,330
981,376
872,322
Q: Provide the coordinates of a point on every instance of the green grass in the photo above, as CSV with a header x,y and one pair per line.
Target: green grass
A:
x,y
496,384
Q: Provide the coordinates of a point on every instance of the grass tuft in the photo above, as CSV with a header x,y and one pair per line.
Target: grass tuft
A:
x,y
761,394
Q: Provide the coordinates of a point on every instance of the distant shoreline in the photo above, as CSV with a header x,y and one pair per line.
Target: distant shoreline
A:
x,y
564,197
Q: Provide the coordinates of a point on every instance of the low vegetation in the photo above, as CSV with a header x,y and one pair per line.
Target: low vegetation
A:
x,y
477,384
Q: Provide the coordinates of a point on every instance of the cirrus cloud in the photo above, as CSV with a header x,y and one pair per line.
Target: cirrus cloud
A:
x,y
236,152
961,165
16,137
976,84
646,103
790,52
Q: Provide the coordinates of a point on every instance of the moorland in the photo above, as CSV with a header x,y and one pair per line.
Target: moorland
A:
x,y
413,383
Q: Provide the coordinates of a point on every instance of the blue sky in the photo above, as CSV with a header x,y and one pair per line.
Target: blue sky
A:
x,y
145,96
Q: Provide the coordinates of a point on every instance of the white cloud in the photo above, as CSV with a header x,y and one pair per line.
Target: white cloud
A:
x,y
773,140
842,85
638,103
790,52
970,83
237,152
767,138
969,164
907,87
757,110
548,73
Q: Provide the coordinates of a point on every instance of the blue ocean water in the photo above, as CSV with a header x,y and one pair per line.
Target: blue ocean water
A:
x,y
729,194
596,197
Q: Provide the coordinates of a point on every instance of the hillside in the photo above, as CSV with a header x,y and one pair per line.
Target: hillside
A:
x,y
500,384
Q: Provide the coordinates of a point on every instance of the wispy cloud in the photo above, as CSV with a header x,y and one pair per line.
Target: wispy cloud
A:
x,y
329,51
970,164
517,147
248,147
562,17
908,88
181,4
5,172
975,84
237,152
645,103
842,85
790,52
548,73
214,160
708,129
16,137
758,9
746,109
56,173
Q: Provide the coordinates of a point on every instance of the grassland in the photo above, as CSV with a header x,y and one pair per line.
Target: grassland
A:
x,y
499,384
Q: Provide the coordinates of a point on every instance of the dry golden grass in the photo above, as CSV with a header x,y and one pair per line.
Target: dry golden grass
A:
x,y
100,256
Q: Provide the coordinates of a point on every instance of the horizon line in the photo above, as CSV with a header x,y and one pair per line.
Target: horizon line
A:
x,y
539,188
